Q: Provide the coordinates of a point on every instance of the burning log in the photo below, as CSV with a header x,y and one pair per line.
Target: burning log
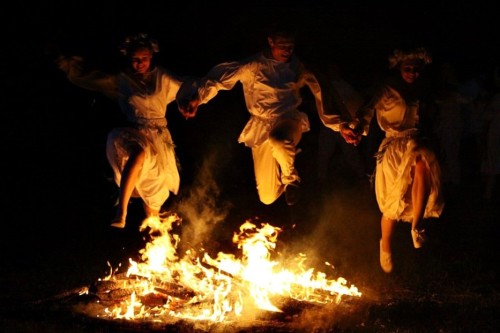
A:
x,y
175,290
216,290
110,291
298,292
121,287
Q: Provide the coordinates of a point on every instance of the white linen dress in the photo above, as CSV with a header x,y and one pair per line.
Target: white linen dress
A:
x,y
145,107
397,155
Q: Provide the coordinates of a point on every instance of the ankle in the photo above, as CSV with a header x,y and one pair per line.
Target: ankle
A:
x,y
120,214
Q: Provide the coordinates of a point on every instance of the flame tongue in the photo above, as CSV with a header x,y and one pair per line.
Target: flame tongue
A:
x,y
221,288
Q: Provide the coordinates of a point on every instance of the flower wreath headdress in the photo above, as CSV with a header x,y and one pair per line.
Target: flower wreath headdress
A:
x,y
419,55
141,39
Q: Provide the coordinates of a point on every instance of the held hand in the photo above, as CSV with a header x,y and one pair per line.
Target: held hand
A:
x,y
351,136
188,99
188,108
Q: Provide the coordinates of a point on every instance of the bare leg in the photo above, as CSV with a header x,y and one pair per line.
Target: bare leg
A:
x,y
387,225
420,195
127,184
150,211
420,192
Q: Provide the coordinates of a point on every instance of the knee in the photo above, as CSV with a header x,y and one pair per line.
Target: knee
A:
x,y
267,199
421,169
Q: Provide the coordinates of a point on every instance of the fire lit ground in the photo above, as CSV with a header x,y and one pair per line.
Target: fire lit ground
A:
x,y
65,270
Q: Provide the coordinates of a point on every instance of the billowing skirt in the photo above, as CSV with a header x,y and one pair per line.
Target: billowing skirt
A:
x,y
396,159
159,174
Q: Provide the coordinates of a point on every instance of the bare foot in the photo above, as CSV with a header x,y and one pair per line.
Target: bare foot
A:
x,y
118,222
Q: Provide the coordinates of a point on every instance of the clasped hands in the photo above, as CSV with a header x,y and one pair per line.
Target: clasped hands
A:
x,y
188,99
352,136
188,107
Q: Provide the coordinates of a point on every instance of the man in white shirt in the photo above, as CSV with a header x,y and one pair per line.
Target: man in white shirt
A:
x,y
271,81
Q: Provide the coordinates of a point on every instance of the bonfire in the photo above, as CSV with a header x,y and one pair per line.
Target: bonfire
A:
x,y
163,286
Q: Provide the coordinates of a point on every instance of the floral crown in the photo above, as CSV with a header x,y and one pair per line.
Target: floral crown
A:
x,y
139,40
419,55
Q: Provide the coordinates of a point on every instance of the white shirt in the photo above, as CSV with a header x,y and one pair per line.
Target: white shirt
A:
x,y
272,92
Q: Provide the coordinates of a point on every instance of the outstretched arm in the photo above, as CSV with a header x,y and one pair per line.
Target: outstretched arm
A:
x,y
188,99
334,121
78,73
193,93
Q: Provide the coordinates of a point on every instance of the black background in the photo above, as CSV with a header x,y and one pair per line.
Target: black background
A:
x,y
57,194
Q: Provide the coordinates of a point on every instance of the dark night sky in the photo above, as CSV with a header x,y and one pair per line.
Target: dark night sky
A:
x,y
194,35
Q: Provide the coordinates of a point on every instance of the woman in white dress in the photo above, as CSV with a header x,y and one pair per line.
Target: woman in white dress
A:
x,y
142,153
407,175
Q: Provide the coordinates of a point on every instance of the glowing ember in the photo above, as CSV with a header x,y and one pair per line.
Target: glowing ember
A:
x,y
217,289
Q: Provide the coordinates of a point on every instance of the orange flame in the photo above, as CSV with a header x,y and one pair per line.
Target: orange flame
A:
x,y
222,288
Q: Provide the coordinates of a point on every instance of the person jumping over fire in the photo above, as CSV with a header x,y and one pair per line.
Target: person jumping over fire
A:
x,y
141,153
271,81
407,173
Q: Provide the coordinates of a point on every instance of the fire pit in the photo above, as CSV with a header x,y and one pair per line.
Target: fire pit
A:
x,y
252,290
